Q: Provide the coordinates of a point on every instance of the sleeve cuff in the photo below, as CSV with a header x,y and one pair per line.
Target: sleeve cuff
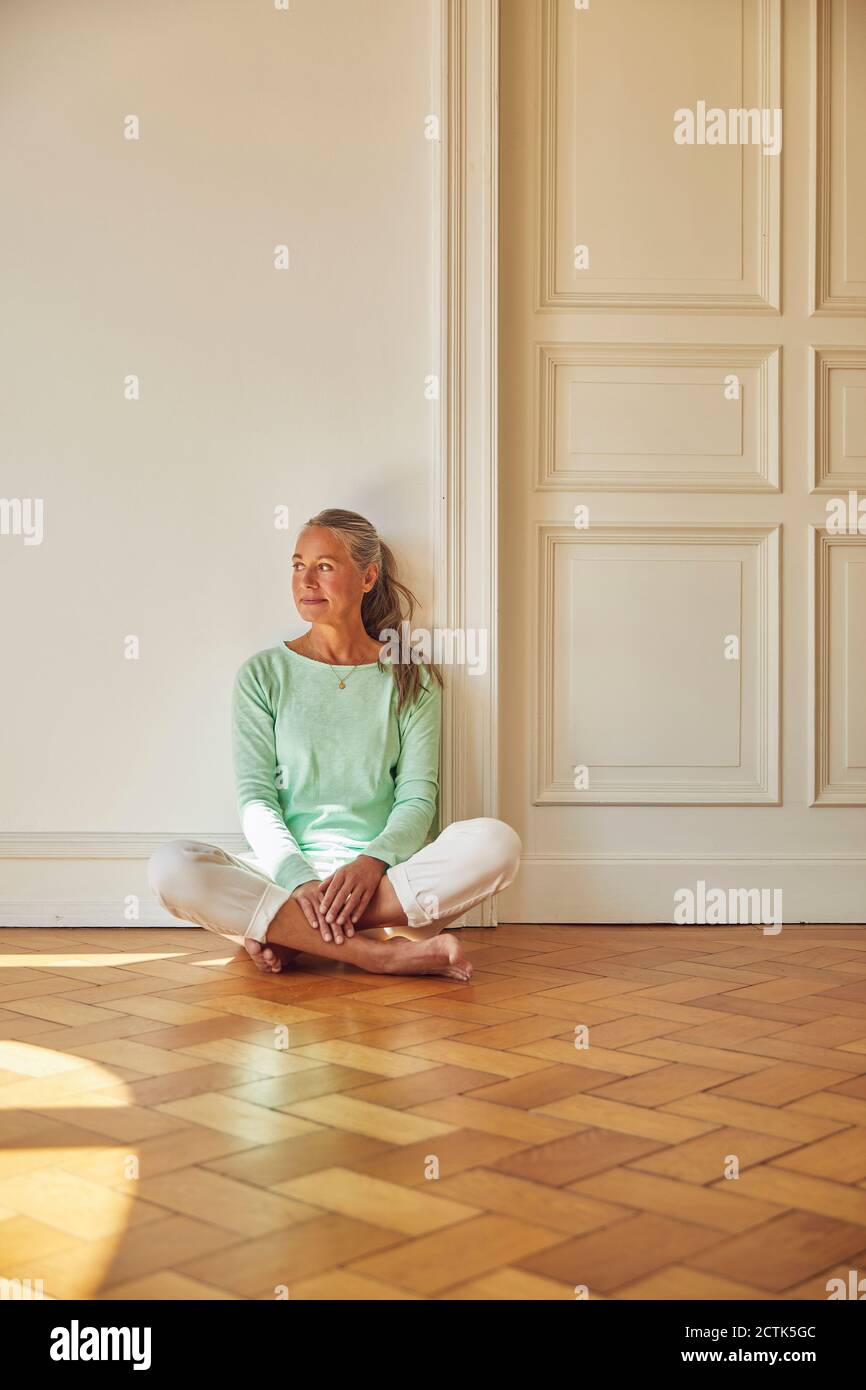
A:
x,y
377,851
294,872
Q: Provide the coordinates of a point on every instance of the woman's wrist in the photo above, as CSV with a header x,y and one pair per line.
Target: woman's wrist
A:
x,y
381,864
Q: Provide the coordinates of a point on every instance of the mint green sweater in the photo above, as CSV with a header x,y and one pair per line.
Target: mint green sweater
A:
x,y
325,774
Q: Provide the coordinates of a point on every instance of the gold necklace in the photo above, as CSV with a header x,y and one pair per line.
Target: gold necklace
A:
x,y
342,683
349,677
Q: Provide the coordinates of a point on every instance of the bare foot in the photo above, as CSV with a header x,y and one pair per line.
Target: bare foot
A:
x,y
269,959
441,955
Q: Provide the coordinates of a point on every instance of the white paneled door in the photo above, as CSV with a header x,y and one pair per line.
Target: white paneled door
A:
x,y
682,420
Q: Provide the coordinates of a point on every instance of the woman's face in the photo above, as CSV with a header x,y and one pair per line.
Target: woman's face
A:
x,y
326,585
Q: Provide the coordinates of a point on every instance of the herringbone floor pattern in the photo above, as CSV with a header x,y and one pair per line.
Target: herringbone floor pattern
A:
x,y
161,1141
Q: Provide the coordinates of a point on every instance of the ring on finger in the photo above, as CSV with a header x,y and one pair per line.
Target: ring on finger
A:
x,y
339,903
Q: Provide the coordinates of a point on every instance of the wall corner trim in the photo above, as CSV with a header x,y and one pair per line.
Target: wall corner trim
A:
x,y
466,549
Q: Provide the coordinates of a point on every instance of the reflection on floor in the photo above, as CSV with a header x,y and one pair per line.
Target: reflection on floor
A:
x,y
176,1126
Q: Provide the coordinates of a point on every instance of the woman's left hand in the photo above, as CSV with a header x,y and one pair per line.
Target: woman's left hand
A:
x,y
345,895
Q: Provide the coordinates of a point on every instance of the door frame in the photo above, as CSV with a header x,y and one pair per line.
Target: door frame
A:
x,y
466,540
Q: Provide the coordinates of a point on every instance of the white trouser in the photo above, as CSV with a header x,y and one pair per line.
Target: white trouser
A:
x,y
470,861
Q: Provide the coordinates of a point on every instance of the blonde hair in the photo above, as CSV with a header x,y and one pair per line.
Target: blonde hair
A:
x,y
389,603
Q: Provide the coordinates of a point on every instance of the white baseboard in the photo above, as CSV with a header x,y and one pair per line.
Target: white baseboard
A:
x,y
91,890
104,912
634,889
87,880
98,914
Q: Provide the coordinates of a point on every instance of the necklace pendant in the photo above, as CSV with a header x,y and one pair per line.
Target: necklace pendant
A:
x,y
342,685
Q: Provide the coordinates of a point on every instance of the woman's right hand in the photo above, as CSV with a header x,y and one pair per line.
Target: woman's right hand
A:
x,y
309,897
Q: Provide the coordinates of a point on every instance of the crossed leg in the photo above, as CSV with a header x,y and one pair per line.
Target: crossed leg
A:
x,y
470,860
290,934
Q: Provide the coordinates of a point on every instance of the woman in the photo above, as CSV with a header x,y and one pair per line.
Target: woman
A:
x,y
336,755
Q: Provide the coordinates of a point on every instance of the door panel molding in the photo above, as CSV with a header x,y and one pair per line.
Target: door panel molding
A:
x,y
686,365
633,760
836,680
837,418
757,290
749,773
834,290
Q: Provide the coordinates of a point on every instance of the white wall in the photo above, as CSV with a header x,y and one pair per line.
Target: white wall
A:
x,y
259,387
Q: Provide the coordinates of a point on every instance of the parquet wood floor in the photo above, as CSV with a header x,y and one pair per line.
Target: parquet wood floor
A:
x,y
174,1125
